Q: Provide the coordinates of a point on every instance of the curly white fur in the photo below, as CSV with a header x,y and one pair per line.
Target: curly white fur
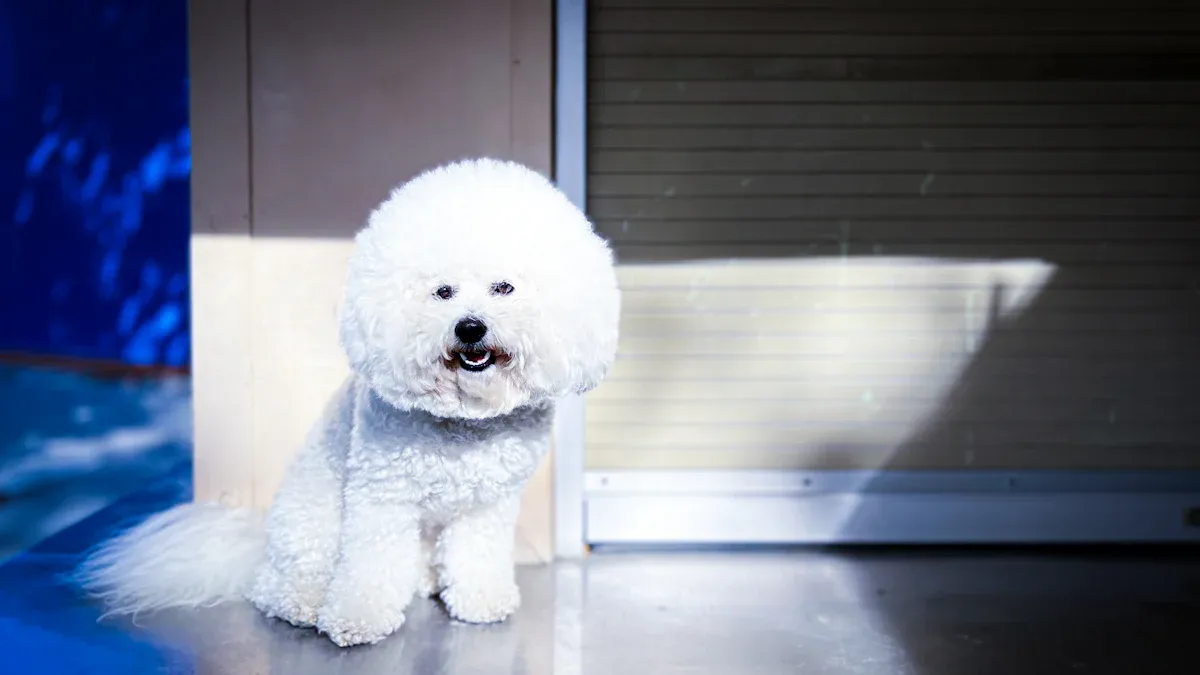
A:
x,y
410,483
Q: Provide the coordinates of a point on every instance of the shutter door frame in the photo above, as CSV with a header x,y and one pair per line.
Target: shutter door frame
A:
x,y
570,173
672,507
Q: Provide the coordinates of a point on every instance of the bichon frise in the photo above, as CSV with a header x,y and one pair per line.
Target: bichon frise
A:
x,y
476,296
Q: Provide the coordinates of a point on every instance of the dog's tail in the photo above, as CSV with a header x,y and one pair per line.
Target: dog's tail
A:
x,y
193,555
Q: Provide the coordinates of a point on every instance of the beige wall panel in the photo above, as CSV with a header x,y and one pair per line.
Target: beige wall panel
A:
x,y
314,112
221,253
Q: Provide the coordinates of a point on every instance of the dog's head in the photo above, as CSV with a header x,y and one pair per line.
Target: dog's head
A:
x,y
477,288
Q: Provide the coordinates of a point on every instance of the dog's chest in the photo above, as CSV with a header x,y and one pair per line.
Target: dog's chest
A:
x,y
449,468
459,479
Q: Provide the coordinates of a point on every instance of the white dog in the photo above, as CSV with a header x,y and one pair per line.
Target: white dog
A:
x,y
476,296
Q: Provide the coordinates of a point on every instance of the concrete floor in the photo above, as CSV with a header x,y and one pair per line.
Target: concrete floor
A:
x,y
923,612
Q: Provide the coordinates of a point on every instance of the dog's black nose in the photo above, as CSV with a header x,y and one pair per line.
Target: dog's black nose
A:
x,y
470,331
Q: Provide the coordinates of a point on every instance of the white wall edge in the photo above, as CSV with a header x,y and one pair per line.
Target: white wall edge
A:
x,y
570,173
868,507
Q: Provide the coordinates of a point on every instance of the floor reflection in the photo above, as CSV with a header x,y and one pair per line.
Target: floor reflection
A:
x,y
71,444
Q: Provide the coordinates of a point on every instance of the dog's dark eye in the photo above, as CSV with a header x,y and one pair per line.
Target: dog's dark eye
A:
x,y
502,288
444,292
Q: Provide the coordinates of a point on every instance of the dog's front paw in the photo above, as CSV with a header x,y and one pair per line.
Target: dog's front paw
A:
x,y
482,602
356,618
363,627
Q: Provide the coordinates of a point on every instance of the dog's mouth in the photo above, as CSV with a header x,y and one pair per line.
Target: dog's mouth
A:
x,y
475,360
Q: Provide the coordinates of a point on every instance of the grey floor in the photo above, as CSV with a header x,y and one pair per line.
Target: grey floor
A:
x,y
919,612
814,612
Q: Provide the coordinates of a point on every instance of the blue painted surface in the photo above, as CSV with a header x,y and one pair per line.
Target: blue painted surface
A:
x,y
95,157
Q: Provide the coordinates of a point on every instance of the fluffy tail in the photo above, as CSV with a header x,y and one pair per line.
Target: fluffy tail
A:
x,y
193,555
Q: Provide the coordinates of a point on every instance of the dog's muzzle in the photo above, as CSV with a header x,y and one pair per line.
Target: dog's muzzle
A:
x,y
472,355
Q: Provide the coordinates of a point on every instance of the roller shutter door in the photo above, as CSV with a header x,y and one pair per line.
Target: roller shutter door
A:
x,y
932,235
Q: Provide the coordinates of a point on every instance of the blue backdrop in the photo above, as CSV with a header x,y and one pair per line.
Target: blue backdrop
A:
x,y
94,165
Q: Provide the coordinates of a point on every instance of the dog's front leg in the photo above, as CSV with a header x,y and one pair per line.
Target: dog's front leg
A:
x,y
377,573
475,555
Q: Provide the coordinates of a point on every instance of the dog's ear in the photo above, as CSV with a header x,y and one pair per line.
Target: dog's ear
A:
x,y
350,332
356,327
585,314
586,385
596,360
